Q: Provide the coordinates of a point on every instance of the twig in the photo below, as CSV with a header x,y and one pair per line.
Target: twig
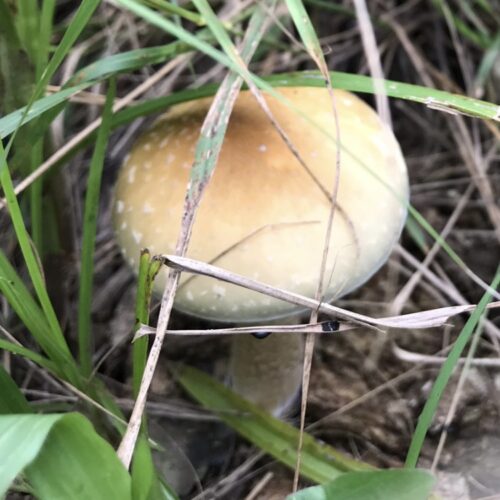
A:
x,y
323,327
425,319
303,24
260,486
373,57
414,357
213,130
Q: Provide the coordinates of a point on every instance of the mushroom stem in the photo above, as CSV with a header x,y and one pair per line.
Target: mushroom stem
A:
x,y
273,363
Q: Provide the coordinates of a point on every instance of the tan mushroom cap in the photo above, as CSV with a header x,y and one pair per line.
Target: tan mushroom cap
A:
x,y
262,215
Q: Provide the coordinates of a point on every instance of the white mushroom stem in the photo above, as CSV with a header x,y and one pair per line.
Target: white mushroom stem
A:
x,y
267,371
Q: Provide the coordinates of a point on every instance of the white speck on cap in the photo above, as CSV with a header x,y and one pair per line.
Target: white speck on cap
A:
x,y
137,236
120,206
189,295
219,290
131,174
347,101
262,148
147,146
147,208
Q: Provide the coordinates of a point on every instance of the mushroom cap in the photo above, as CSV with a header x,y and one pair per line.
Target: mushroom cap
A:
x,y
262,214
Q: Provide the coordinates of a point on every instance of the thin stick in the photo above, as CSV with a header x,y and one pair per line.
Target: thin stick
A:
x,y
425,319
260,486
323,327
318,57
414,357
213,130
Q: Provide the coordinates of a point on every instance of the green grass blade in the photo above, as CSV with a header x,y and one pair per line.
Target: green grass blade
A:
x,y
128,61
216,27
78,23
478,39
394,484
306,31
320,462
347,81
11,122
178,32
437,99
445,373
55,333
16,75
44,35
27,22
148,269
12,400
490,57
26,308
172,9
89,234
31,355
145,483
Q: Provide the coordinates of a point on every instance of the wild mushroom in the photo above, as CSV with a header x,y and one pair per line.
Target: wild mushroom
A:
x,y
264,216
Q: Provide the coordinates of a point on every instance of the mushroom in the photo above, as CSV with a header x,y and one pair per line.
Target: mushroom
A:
x,y
264,216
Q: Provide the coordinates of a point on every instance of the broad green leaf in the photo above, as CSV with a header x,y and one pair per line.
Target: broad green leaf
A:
x,y
12,400
320,462
396,484
62,457
21,438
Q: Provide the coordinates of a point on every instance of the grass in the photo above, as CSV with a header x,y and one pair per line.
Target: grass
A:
x,y
37,333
